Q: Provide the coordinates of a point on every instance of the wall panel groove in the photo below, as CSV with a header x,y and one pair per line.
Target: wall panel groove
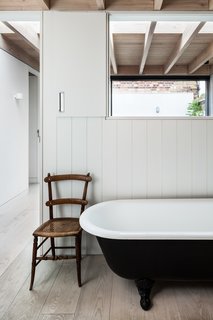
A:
x,y
137,158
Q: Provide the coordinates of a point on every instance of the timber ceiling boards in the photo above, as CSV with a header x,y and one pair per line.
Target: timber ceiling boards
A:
x,y
110,5
21,40
162,47
170,47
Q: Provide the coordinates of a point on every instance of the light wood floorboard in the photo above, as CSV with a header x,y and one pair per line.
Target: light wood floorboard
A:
x,y
124,295
13,279
198,296
95,297
164,303
28,304
19,218
56,317
103,296
64,294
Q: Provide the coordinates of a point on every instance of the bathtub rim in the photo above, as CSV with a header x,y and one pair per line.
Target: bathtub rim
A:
x,y
116,234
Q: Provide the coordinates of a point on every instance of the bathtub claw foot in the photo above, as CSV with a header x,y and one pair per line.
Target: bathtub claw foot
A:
x,y
144,288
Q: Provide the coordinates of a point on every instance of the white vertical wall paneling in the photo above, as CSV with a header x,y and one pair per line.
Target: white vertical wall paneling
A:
x,y
199,160
184,170
94,166
63,145
169,158
94,158
154,167
78,144
209,170
139,159
109,149
63,163
124,159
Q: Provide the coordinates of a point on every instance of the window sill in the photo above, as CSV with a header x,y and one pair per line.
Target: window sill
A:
x,y
158,118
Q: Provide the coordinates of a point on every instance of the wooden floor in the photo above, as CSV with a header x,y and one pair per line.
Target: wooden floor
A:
x,y
104,296
18,217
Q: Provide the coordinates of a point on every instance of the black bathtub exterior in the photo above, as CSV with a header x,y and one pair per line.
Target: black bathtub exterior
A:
x,y
148,260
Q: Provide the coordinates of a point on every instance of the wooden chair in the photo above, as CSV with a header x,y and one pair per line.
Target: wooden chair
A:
x,y
60,227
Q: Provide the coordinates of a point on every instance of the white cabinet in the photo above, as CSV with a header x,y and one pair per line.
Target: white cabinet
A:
x,y
74,62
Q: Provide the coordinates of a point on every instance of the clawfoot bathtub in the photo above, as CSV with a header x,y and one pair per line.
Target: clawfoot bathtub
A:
x,y
154,239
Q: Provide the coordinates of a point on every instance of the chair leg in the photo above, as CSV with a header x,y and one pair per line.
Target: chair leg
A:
x,y
52,241
34,255
78,257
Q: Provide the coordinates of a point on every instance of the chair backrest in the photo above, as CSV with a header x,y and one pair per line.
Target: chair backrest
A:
x,y
60,201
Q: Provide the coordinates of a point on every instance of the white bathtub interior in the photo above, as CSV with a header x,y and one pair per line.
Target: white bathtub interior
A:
x,y
150,219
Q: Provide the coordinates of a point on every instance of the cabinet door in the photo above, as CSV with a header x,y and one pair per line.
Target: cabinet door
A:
x,y
74,62
74,56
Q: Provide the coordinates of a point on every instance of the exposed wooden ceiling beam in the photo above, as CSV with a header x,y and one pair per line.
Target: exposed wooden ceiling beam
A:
x,y
45,4
185,40
100,4
201,59
27,33
158,70
112,55
158,4
147,43
210,4
18,53
74,5
25,5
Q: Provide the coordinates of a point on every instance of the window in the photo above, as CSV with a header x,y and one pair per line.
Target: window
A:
x,y
159,96
160,64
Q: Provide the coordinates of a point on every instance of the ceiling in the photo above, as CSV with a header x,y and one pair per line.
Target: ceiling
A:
x,y
136,47
114,5
161,48
21,39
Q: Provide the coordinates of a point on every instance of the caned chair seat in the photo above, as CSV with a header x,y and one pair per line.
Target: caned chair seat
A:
x,y
61,226
58,227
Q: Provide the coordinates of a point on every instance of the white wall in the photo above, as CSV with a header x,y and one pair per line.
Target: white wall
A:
x,y
127,158
146,104
138,158
33,127
13,127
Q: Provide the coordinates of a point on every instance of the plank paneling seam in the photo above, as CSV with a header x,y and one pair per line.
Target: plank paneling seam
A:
x,y
146,159
102,169
169,158
138,158
116,160
131,152
199,159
